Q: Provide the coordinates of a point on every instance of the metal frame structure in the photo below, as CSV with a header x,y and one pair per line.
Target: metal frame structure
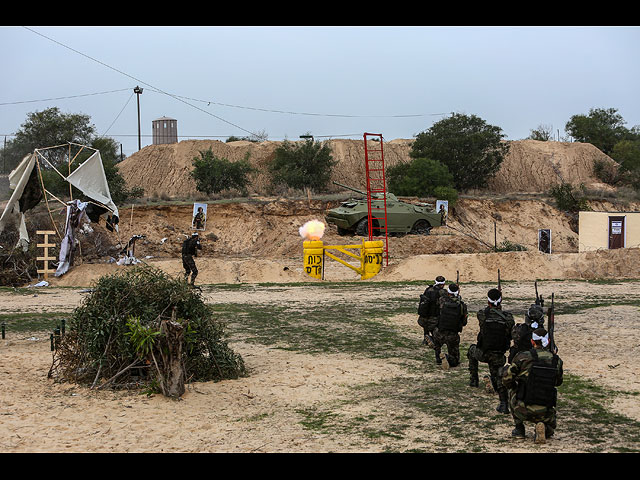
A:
x,y
376,183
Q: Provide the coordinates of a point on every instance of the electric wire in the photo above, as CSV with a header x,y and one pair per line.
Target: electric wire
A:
x,y
209,102
138,80
63,98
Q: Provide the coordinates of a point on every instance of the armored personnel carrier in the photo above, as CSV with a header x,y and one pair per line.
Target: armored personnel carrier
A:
x,y
351,216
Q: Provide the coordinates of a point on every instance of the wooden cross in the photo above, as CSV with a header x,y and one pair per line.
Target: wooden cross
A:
x,y
46,258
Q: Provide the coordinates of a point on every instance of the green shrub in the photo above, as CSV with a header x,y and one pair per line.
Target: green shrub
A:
x,y
213,174
305,165
569,198
422,177
119,321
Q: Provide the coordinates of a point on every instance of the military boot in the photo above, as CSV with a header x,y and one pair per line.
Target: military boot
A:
x,y
539,435
503,406
473,379
445,361
518,431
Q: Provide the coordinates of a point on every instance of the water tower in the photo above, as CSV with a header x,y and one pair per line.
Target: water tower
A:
x,y
165,130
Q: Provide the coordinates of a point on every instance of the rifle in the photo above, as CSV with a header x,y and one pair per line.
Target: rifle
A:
x,y
458,277
539,300
550,316
499,286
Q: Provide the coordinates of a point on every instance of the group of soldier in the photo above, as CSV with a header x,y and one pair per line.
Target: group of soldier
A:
x,y
524,367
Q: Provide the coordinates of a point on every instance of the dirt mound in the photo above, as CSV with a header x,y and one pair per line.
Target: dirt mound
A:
x,y
531,166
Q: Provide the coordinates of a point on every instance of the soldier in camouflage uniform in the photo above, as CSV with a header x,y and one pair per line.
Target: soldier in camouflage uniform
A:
x,y
493,342
429,309
521,332
453,317
190,249
531,380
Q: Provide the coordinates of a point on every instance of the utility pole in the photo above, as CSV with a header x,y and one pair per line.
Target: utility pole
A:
x,y
138,91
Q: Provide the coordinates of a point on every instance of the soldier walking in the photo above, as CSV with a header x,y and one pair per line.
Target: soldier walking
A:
x,y
493,341
453,317
532,379
429,309
190,249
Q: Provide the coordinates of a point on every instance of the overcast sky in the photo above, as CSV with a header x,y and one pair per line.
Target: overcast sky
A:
x,y
332,82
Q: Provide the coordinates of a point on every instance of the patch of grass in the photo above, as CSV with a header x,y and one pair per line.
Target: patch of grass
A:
x,y
466,416
32,322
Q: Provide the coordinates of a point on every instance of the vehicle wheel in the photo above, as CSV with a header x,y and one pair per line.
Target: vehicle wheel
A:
x,y
362,228
343,231
421,227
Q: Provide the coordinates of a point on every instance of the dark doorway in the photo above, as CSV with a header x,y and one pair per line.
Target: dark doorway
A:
x,y
616,232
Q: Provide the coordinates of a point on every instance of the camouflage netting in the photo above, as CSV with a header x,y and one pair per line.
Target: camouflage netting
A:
x,y
115,337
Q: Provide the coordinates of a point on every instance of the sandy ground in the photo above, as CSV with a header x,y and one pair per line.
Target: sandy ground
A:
x,y
260,413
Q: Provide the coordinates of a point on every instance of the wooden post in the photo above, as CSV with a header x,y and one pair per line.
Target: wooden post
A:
x,y
46,258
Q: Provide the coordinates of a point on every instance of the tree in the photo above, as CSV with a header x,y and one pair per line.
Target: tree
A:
x,y
48,128
307,165
420,177
471,149
543,133
213,174
627,154
603,128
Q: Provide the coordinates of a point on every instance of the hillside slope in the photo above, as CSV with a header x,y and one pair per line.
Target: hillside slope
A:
x,y
531,166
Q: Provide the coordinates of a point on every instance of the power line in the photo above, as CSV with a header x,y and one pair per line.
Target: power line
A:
x,y
138,80
63,98
209,102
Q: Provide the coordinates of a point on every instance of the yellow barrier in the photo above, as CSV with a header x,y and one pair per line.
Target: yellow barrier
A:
x,y
370,257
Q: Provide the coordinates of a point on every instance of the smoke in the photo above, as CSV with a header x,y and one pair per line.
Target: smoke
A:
x,y
312,230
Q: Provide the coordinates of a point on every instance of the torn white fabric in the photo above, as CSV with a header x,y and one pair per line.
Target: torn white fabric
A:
x,y
18,178
23,241
90,178
76,215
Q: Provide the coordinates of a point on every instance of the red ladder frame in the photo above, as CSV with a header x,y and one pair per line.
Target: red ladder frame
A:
x,y
376,183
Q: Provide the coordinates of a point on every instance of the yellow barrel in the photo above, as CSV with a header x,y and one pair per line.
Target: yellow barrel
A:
x,y
371,258
313,255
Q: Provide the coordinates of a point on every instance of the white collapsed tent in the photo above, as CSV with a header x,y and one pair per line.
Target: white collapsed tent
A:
x,y
28,189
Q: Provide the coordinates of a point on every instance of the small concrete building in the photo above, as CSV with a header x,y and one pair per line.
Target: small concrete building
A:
x,y
165,130
608,230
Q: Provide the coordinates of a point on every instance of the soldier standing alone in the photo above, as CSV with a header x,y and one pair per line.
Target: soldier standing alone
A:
x,y
190,249
531,380
493,342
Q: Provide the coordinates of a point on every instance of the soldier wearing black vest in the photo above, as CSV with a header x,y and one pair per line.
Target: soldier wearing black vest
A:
x,y
429,309
521,332
494,339
452,318
532,379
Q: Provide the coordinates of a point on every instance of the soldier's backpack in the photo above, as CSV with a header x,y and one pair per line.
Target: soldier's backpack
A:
x,y
495,337
540,386
451,315
428,305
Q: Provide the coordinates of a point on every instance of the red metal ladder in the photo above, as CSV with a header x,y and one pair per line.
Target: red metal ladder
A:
x,y
376,184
